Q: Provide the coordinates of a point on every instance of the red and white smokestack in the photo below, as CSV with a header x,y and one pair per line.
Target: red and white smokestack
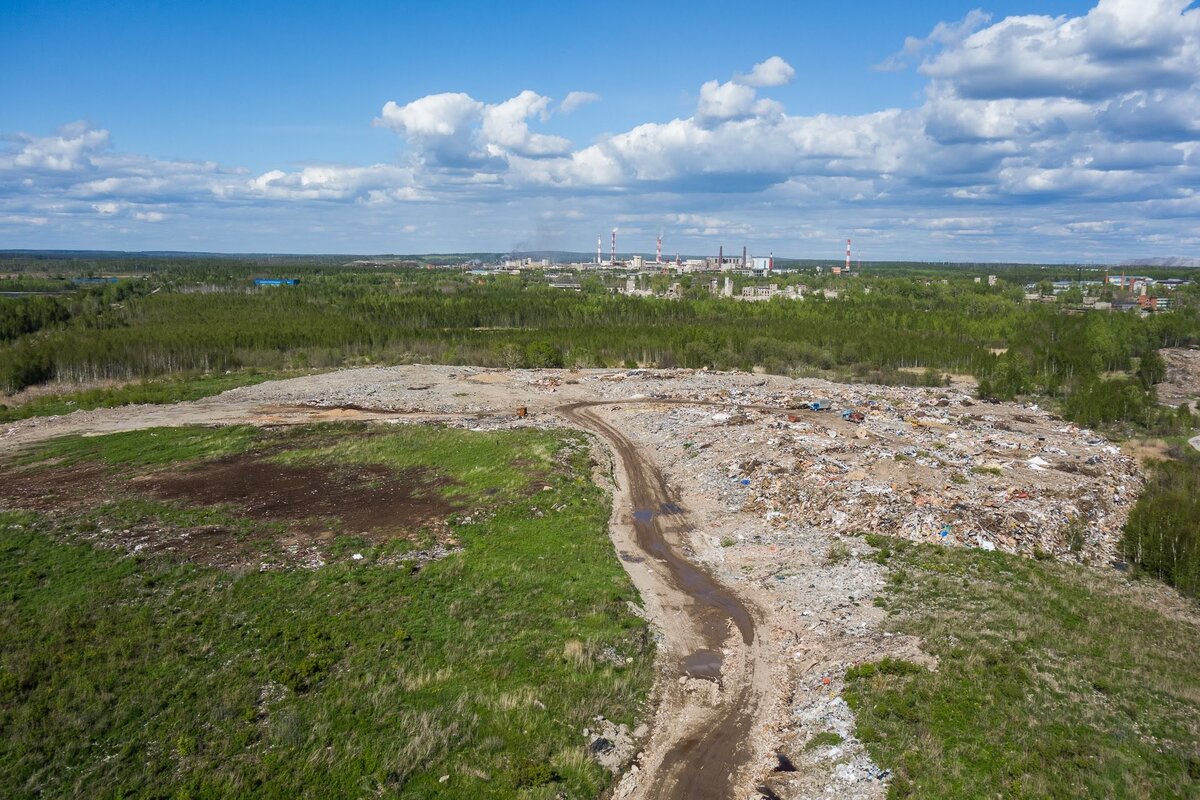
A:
x,y
614,247
597,249
658,250
771,262
847,255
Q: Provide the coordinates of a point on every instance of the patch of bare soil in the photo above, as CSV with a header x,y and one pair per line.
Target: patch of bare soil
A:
x,y
312,504
57,489
369,500
1144,449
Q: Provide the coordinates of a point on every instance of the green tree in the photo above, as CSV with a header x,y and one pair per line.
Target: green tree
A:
x,y
1152,369
543,355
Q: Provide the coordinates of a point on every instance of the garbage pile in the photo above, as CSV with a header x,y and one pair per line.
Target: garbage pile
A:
x,y
924,465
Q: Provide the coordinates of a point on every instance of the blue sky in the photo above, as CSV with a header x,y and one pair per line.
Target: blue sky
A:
x,y
1040,131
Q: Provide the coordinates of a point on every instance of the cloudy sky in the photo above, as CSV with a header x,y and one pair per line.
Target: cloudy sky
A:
x,y
1036,130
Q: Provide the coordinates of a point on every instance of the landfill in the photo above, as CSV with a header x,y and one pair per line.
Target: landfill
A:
x,y
923,465
779,478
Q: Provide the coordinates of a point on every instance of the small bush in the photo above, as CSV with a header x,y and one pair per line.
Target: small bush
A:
x,y
838,553
529,773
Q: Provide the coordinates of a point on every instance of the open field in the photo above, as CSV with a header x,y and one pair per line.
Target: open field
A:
x,y
404,611
768,500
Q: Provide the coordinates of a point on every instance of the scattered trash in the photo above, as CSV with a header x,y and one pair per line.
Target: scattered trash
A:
x,y
600,745
916,467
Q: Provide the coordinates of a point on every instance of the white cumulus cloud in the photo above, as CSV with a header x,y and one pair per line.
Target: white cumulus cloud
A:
x,y
505,129
772,72
1119,46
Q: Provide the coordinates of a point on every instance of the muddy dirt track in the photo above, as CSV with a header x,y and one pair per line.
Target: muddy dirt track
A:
x,y
700,762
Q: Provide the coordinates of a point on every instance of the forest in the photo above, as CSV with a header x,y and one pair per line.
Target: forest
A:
x,y
209,317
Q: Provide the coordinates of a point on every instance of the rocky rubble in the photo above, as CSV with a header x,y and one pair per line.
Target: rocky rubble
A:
x,y
931,466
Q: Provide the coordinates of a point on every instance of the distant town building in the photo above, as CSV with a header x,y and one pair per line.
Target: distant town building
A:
x,y
756,293
724,263
760,266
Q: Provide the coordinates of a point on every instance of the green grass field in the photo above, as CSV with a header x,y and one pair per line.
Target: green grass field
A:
x,y
472,676
1053,682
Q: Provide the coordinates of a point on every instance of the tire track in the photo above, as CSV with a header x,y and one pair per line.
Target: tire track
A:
x,y
701,760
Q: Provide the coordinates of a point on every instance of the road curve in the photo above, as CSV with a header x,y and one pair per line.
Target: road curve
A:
x,y
702,761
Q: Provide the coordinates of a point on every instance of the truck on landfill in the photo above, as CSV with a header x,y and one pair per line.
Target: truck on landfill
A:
x,y
820,405
850,415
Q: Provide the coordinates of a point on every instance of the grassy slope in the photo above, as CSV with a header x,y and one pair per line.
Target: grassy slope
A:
x,y
170,390
123,676
1052,682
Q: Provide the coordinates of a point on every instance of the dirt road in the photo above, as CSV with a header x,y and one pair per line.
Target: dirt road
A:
x,y
700,760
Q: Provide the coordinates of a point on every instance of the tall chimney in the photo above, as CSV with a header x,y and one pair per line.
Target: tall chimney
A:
x,y
721,257
745,263
847,255
614,247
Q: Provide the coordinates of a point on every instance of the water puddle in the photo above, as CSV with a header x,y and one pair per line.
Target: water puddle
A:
x,y
704,664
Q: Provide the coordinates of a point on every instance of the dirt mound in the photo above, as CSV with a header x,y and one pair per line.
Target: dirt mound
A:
x,y
1182,384
361,499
